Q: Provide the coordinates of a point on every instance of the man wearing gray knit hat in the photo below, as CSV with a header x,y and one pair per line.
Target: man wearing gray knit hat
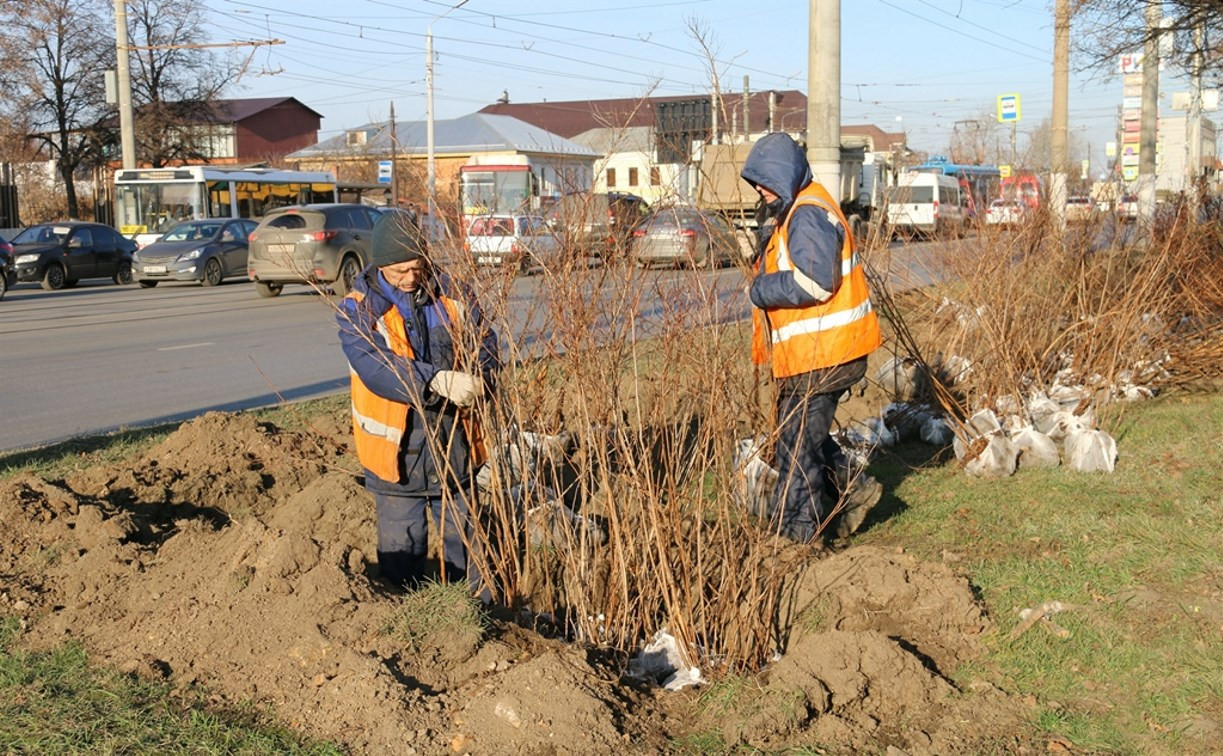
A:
x,y
422,360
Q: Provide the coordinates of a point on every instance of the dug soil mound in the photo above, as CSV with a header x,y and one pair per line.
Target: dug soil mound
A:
x,y
239,557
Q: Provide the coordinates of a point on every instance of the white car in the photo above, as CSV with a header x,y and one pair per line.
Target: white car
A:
x,y
1004,212
524,241
1078,208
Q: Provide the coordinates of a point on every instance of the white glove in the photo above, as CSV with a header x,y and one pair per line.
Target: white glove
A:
x,y
460,388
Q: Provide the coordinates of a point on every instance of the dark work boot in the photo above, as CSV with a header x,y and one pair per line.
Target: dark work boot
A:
x,y
860,495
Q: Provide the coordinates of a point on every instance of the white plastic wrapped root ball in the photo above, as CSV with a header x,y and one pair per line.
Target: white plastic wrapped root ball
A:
x,y
998,460
956,369
755,479
902,378
871,432
1069,396
1065,422
984,421
1036,449
1007,405
1043,412
1133,393
937,432
1091,451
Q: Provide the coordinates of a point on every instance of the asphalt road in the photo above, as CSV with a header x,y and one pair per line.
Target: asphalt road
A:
x,y
101,357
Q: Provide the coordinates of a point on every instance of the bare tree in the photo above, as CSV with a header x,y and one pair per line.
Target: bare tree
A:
x,y
1106,29
52,55
977,140
175,81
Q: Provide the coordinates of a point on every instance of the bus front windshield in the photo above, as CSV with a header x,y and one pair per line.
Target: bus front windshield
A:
x,y
155,207
495,191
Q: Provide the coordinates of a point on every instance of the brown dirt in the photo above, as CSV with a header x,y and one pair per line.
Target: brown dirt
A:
x,y
239,557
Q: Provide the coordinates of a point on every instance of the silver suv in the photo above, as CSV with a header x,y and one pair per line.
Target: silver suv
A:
x,y
319,244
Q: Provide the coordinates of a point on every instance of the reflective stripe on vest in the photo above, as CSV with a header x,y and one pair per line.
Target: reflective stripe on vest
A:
x,y
824,335
373,426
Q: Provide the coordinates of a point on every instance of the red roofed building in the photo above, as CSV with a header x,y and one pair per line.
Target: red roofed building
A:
x,y
257,129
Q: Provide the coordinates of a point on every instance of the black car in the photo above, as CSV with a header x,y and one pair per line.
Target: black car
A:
x,y
59,254
201,250
8,273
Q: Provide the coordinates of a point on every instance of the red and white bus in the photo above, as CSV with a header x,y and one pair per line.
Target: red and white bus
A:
x,y
1024,186
518,183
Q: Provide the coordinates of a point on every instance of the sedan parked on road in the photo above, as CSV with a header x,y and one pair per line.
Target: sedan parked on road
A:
x,y
511,239
59,254
311,244
1005,212
205,250
684,236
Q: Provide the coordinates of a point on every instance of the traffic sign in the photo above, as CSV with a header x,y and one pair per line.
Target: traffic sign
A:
x,y
384,171
1004,171
1008,108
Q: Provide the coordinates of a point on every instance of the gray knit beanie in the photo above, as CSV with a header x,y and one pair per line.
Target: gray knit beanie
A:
x,y
396,239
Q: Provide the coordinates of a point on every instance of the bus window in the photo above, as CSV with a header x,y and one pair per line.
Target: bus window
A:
x,y
153,208
218,199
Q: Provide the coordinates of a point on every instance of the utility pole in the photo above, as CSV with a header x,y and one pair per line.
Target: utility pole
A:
x,y
430,168
1061,87
747,121
1150,116
123,76
394,161
824,93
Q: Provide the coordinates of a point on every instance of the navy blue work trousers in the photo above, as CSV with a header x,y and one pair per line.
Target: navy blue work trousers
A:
x,y
403,537
806,455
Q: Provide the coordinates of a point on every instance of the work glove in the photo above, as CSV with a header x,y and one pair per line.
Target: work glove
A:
x,y
460,388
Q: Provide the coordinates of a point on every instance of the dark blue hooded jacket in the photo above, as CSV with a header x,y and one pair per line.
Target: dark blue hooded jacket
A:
x,y
778,164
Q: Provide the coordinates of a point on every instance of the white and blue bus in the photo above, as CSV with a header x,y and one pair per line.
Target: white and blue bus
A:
x,y
148,201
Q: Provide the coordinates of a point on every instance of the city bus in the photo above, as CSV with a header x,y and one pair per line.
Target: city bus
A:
x,y
980,183
148,201
518,183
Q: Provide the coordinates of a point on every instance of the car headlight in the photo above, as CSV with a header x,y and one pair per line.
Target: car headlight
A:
x,y
26,259
192,255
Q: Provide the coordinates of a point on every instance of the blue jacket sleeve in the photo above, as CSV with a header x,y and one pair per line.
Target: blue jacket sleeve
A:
x,y
385,373
814,243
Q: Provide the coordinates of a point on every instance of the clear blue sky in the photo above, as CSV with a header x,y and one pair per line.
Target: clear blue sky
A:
x,y
912,65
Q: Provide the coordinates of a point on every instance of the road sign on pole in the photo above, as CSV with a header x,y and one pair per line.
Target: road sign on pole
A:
x,y
384,171
1004,171
1008,108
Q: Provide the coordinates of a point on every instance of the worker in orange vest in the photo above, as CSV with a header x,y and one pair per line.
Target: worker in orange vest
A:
x,y
420,356
814,324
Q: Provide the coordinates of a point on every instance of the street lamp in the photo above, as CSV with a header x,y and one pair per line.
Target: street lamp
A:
x,y
431,170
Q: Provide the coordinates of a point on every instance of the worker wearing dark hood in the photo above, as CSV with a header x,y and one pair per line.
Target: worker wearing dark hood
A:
x,y
814,324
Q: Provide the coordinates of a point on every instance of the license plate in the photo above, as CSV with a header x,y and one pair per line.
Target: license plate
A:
x,y
154,269
280,249
488,260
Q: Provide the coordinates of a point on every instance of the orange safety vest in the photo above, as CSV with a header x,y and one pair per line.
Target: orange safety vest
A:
x,y
378,424
842,329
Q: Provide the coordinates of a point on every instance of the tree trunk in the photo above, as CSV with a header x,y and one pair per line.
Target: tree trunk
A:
x,y
65,172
